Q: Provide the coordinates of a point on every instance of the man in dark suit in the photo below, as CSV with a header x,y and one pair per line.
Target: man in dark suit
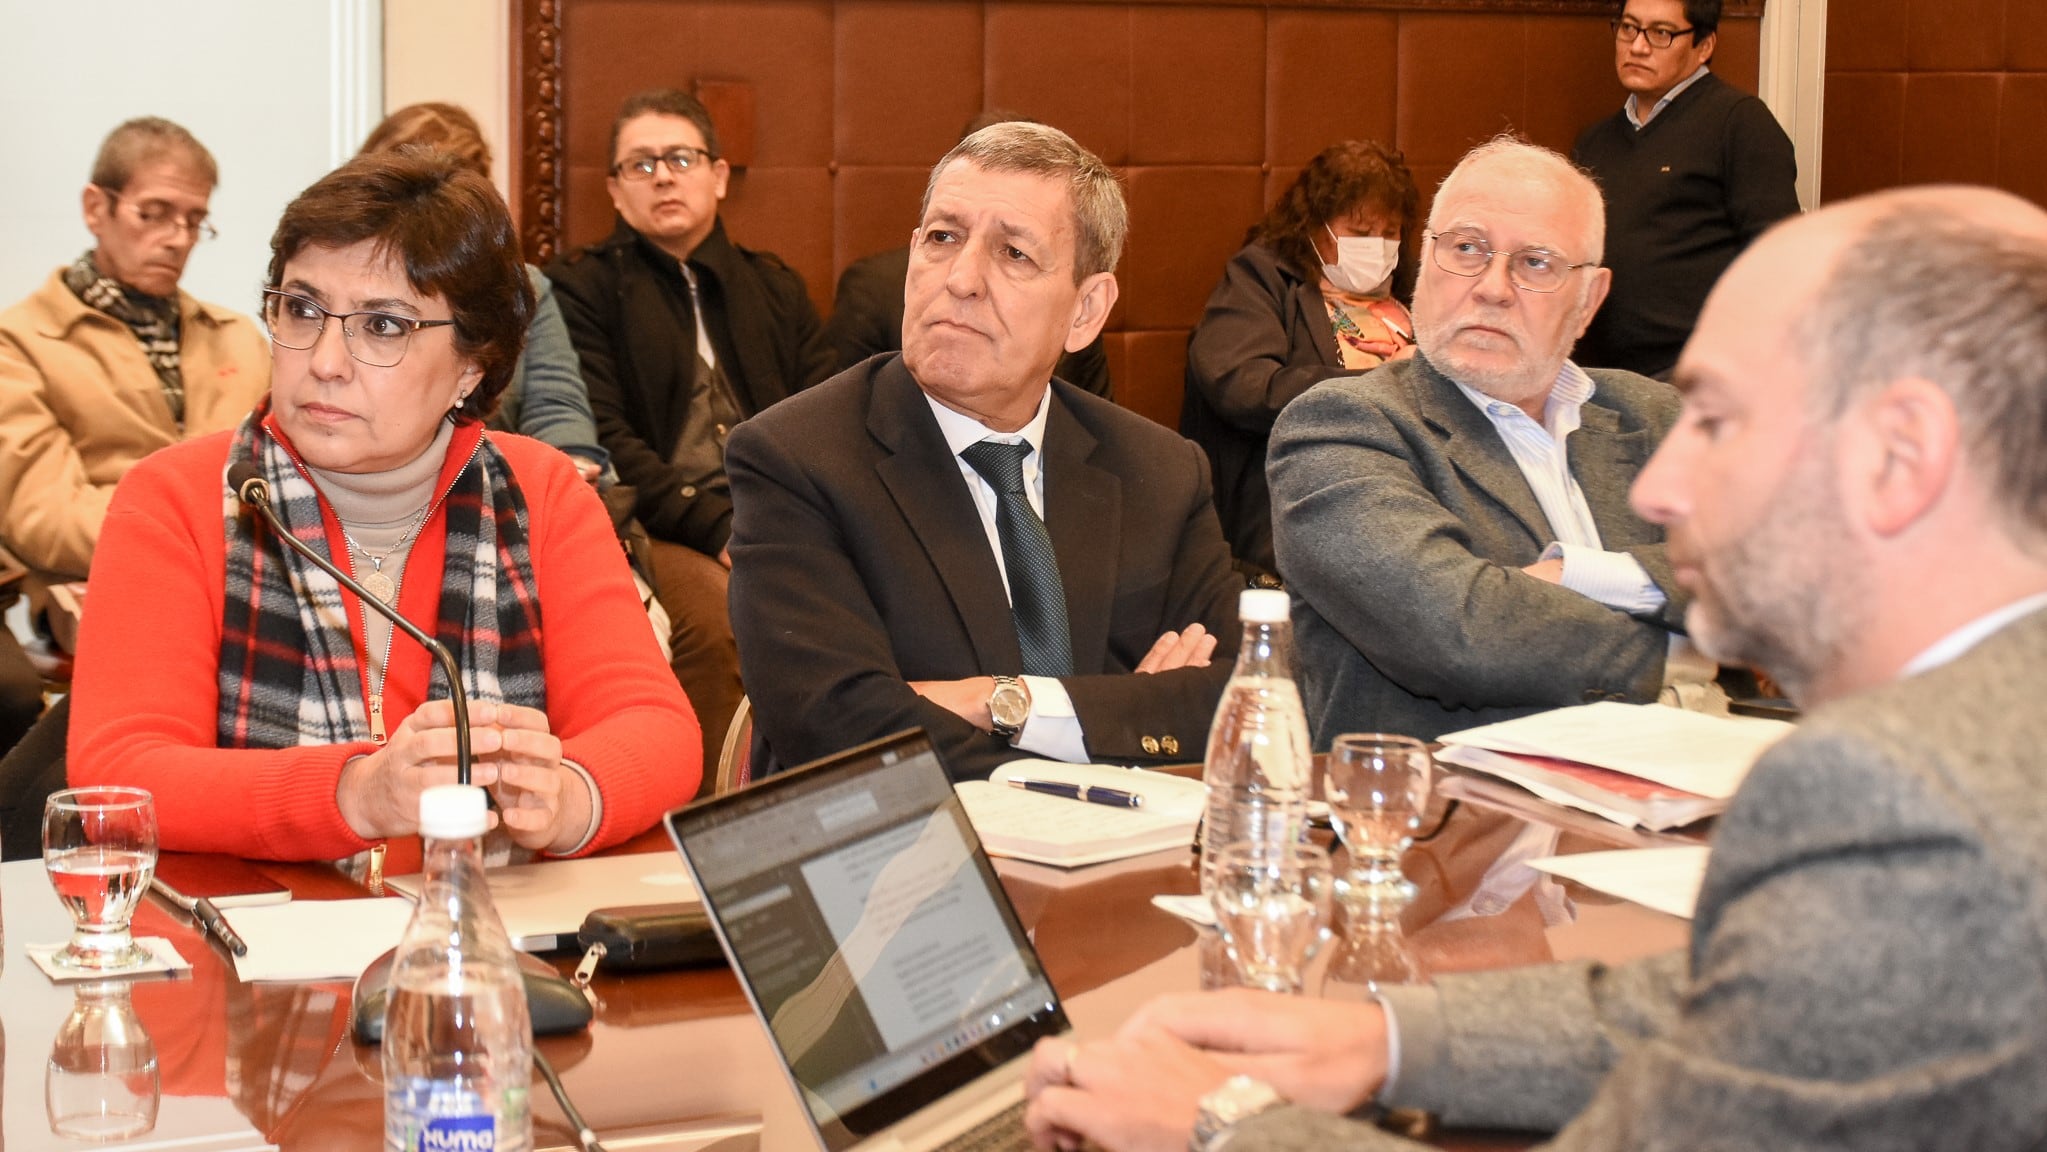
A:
x,y
1854,495
952,539
682,334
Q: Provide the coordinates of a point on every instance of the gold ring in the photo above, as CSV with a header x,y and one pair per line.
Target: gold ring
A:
x,y
1072,1058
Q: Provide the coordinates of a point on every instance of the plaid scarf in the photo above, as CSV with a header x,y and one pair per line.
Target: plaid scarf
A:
x,y
153,319
289,671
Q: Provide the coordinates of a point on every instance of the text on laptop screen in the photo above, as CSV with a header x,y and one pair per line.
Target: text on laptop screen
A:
x,y
871,934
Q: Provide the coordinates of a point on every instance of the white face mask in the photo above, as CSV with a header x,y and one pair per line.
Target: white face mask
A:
x,y
1363,263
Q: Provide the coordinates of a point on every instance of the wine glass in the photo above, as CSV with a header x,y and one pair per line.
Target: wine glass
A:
x,y
1272,901
99,845
1377,786
102,1082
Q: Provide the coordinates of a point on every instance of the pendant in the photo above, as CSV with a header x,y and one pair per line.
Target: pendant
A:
x,y
379,585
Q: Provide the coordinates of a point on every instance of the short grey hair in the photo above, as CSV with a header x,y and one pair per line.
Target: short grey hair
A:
x,y
1101,221
145,140
1513,149
1929,291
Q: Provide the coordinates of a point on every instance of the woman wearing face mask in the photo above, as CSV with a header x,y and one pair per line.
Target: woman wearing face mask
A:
x,y
1311,295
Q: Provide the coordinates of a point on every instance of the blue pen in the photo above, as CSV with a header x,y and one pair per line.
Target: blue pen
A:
x,y
1092,795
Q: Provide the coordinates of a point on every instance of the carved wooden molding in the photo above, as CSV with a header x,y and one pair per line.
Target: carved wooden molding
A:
x,y
537,127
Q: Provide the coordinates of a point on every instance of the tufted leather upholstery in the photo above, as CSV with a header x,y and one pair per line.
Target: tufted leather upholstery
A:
x,y
1935,90
1207,111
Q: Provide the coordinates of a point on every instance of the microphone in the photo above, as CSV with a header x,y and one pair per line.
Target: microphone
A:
x,y
250,487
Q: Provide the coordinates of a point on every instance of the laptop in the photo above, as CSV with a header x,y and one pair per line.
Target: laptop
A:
x,y
876,946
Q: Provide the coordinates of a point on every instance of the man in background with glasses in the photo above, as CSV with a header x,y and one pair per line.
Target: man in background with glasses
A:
x,y
108,361
682,335
1454,528
1693,170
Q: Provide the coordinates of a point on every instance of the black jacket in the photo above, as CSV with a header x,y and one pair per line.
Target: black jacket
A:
x,y
867,319
628,311
1263,340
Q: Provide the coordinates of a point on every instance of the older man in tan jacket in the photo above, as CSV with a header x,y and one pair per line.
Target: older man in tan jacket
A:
x,y
108,361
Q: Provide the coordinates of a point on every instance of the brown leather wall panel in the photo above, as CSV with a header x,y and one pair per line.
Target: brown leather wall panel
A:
x,y
1863,143
1206,109
1922,91
2021,158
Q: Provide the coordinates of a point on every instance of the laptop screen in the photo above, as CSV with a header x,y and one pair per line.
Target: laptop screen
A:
x,y
870,932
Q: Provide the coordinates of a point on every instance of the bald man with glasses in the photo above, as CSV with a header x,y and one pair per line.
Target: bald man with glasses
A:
x,y
1454,528
1693,169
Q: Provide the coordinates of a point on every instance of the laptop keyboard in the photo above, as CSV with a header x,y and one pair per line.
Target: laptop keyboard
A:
x,y
1002,1132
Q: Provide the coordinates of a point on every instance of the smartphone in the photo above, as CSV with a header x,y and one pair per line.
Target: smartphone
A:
x,y
652,936
228,881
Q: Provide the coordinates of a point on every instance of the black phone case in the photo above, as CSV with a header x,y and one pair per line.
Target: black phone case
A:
x,y
652,936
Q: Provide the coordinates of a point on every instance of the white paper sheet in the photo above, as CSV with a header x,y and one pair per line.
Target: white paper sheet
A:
x,y
317,939
1664,879
1706,755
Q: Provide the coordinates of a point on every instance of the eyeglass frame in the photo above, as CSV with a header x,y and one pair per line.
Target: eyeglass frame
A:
x,y
412,325
1669,35
1430,236
648,167
201,229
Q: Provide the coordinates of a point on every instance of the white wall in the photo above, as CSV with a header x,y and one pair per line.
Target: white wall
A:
x,y
455,51
280,92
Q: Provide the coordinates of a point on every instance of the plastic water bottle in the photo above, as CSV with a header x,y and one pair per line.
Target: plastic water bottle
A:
x,y
458,1047
1258,753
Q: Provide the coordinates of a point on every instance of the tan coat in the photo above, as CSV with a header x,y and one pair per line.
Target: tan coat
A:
x,y
79,404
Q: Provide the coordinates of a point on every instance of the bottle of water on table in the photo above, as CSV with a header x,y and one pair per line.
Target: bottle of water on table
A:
x,y
458,1047
1258,761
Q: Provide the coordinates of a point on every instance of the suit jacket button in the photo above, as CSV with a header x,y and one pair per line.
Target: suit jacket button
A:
x,y
1150,744
689,491
1617,697
1592,696
1169,746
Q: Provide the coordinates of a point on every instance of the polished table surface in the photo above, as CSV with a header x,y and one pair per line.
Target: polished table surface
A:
x,y
676,1054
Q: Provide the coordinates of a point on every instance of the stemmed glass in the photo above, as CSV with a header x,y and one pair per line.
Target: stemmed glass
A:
x,y
99,845
1272,901
102,1081
1377,786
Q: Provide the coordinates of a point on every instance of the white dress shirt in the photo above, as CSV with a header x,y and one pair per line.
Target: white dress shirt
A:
x,y
1052,729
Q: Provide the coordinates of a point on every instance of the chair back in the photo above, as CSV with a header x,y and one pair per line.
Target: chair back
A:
x,y
735,760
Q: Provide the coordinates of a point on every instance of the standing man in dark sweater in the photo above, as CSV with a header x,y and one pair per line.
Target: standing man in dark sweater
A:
x,y
682,334
1693,169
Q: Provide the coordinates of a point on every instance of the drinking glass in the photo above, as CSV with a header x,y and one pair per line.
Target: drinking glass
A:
x,y
1272,903
102,1081
99,845
1377,786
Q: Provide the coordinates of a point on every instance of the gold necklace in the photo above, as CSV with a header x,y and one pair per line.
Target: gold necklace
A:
x,y
378,583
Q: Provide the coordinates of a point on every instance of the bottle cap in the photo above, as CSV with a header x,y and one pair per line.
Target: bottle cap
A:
x,y
452,812
1263,606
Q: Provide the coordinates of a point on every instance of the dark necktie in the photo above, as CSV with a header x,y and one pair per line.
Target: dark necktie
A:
x,y
1037,601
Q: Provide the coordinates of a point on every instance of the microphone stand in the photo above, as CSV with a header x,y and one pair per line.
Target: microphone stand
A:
x,y
253,490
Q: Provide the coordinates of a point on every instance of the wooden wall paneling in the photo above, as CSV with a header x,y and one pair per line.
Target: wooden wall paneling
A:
x,y
1207,109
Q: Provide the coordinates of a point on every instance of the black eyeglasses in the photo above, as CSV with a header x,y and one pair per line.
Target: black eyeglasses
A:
x,y
1535,269
679,161
378,339
1625,32
158,216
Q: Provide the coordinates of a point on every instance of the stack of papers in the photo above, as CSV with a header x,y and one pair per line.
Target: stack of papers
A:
x,y
1055,830
1641,765
1665,879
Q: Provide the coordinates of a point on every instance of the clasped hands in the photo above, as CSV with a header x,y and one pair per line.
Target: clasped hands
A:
x,y
1140,1091
542,803
1190,647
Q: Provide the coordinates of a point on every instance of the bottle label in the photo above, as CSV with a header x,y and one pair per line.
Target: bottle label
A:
x,y
459,1134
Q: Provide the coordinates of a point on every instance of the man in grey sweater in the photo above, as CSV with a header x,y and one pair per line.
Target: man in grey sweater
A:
x,y
1856,495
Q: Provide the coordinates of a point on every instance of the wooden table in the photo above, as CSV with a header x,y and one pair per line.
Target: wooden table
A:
x,y
676,1053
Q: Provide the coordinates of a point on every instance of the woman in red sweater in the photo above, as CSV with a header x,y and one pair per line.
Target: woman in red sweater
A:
x,y
273,718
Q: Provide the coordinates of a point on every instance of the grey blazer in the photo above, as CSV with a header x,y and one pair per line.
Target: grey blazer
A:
x,y
1867,970
1401,523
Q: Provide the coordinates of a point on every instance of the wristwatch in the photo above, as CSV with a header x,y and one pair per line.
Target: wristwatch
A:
x,y
1238,1099
1009,706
